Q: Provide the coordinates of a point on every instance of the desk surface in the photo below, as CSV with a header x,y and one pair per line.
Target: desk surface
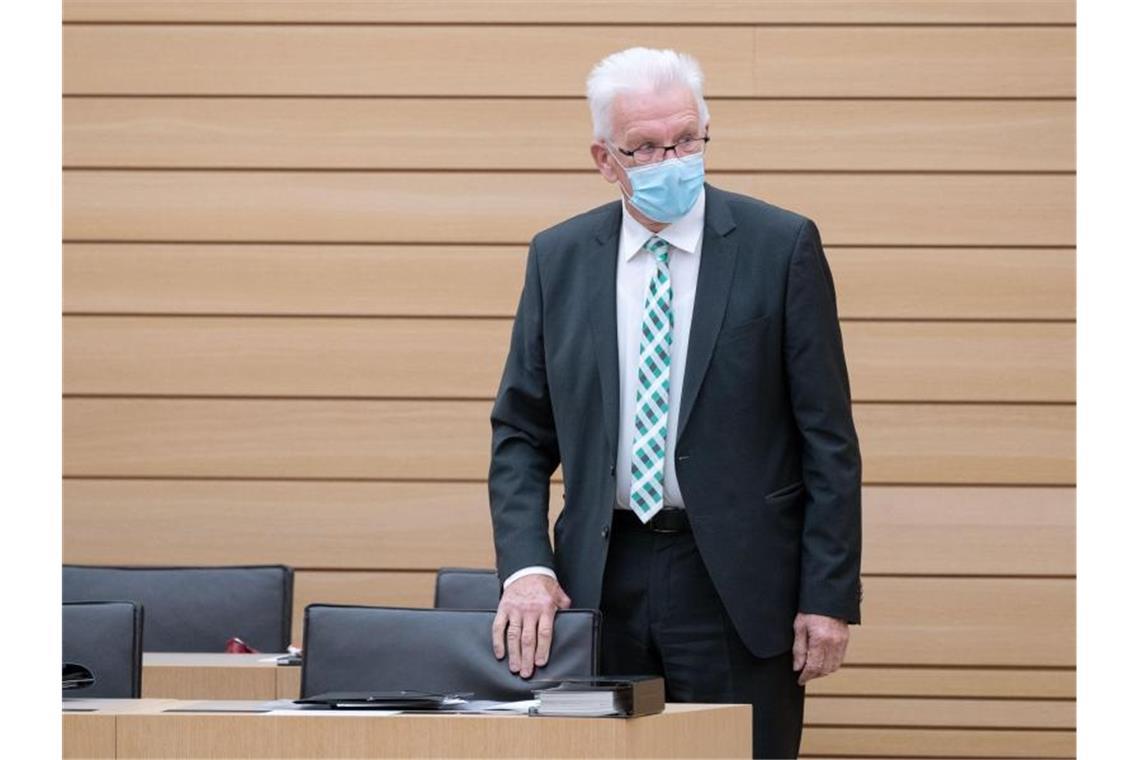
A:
x,y
210,660
146,728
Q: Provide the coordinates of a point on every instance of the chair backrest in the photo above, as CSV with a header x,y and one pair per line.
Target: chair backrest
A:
x,y
106,638
390,648
196,609
462,588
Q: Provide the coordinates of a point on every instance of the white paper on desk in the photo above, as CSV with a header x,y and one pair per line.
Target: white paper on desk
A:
x,y
93,704
488,705
318,710
223,706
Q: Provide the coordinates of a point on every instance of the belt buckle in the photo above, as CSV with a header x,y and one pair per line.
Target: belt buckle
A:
x,y
659,528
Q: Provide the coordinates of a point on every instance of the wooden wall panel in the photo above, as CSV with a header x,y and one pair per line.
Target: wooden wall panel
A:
x,y
627,11
470,133
474,207
999,531
251,192
484,281
954,713
960,443
931,681
967,621
243,356
286,438
984,361
293,279
794,61
955,283
393,526
888,741
426,525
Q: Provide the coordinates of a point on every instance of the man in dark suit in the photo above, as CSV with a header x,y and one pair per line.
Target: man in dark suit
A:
x,y
679,354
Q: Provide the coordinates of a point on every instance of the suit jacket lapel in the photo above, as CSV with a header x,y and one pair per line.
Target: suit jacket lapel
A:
x,y
602,264
718,261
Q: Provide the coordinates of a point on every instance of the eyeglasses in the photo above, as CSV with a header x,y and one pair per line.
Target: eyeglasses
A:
x,y
651,154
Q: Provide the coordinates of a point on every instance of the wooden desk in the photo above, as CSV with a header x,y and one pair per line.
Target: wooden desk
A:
x,y
89,724
143,728
192,675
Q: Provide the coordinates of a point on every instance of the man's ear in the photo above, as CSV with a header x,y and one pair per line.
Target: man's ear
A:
x,y
603,161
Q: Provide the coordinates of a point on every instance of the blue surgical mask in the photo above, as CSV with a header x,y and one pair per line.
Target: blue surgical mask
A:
x,y
665,191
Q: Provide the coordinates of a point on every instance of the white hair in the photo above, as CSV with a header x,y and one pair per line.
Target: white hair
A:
x,y
640,70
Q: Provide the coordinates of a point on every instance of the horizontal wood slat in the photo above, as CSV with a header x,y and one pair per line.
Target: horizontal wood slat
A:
x,y
581,11
969,530
889,741
932,681
392,526
285,356
464,133
474,207
293,279
894,361
500,61
967,444
955,713
900,361
901,443
955,283
911,621
396,526
967,621
196,278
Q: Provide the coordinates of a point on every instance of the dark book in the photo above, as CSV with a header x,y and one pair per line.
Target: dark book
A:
x,y
603,696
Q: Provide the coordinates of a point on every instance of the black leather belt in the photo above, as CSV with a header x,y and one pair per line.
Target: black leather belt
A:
x,y
668,520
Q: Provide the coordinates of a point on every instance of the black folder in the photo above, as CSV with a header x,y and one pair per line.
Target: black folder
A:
x,y
404,699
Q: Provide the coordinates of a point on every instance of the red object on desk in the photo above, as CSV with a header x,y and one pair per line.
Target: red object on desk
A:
x,y
237,646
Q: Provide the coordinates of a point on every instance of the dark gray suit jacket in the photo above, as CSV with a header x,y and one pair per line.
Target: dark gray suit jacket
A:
x,y
767,457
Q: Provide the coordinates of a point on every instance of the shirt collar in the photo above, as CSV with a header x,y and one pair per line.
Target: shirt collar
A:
x,y
683,234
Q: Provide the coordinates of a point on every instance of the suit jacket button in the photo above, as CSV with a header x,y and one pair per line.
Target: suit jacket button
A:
x,y
606,531
613,470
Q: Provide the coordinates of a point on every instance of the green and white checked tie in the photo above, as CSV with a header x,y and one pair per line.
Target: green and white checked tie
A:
x,y
647,491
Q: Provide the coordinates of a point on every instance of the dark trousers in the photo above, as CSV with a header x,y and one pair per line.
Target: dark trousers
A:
x,y
661,615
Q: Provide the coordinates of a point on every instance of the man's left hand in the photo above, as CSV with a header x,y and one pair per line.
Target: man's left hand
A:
x,y
820,645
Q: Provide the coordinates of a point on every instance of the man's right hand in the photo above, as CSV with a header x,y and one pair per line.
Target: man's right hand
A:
x,y
526,616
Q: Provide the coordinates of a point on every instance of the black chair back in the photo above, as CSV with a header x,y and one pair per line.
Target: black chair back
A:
x,y
391,648
461,588
196,609
107,639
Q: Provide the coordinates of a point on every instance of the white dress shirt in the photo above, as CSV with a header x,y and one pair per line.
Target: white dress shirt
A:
x,y
635,268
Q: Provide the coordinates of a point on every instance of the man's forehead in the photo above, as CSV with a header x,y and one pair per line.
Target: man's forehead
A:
x,y
633,110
